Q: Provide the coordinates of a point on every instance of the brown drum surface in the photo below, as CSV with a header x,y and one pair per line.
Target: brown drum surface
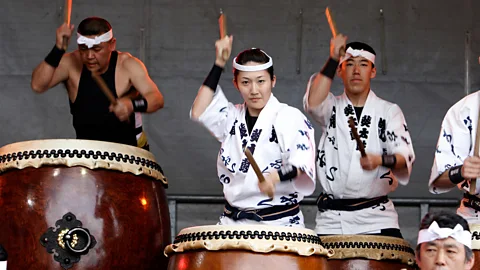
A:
x,y
241,260
126,214
364,264
476,254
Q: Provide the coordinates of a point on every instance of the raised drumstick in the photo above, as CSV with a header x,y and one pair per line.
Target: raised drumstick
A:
x,y
361,147
66,17
255,167
222,25
333,27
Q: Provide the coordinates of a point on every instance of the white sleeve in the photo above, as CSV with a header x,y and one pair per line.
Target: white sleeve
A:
x,y
322,112
297,138
215,117
453,146
399,142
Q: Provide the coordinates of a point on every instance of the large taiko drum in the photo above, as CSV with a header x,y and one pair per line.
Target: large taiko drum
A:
x,y
365,252
78,204
246,247
475,230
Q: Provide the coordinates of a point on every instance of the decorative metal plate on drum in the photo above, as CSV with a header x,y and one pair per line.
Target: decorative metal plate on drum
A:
x,y
68,240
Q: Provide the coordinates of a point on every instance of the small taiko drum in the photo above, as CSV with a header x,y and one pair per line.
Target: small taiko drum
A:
x,y
365,252
475,230
79,204
221,247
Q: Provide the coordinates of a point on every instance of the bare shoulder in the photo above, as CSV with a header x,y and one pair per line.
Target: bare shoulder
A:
x,y
73,60
129,61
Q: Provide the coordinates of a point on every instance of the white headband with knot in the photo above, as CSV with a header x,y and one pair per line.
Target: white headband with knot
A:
x,y
90,42
349,53
434,232
253,68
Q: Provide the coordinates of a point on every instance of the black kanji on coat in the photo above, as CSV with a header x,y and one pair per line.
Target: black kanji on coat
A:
x,y
349,110
366,121
244,166
243,131
273,138
255,135
232,131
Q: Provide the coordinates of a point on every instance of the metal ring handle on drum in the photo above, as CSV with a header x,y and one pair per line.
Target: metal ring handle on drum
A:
x,y
68,237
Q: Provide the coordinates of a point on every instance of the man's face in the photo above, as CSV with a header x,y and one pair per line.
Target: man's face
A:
x,y
97,58
443,254
356,73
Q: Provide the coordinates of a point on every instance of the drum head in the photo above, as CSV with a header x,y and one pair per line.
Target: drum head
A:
x,y
86,153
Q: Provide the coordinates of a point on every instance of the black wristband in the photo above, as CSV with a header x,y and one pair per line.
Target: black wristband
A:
x,y
288,175
330,68
54,57
389,161
455,174
213,77
140,105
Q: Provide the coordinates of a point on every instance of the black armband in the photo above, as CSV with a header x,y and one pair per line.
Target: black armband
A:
x,y
140,105
213,77
455,174
389,161
54,57
330,68
3,254
288,175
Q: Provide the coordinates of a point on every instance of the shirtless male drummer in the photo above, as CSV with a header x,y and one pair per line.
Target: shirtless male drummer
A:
x,y
94,115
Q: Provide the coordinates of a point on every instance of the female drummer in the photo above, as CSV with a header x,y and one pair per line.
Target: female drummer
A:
x,y
280,138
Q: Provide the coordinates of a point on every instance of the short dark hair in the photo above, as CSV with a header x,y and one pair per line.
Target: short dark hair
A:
x,y
445,220
252,55
356,45
93,26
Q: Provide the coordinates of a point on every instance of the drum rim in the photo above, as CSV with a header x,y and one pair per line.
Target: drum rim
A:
x,y
257,238
373,247
119,157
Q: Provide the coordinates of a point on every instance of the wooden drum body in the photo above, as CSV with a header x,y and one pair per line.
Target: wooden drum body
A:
x,y
365,252
107,202
246,247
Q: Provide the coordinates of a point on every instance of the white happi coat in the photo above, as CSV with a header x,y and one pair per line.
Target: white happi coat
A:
x,y
383,130
280,131
455,144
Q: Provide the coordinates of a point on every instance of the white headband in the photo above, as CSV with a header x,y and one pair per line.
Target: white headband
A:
x,y
90,42
434,232
253,68
355,53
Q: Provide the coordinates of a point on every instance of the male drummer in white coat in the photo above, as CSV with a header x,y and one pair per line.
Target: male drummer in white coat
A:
x,y
455,164
280,138
355,188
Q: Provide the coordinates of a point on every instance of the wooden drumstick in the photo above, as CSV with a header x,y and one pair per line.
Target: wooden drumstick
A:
x,y
361,147
473,182
103,86
67,16
222,24
333,27
257,170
